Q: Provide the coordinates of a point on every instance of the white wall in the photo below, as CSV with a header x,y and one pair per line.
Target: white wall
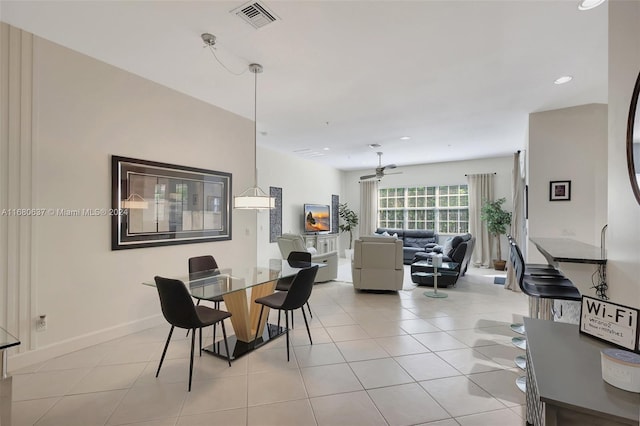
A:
x,y
568,144
85,111
623,238
450,173
302,181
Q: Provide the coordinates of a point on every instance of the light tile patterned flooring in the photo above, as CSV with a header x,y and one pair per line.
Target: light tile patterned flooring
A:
x,y
377,359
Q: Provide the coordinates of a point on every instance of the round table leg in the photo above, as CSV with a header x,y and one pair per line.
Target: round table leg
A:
x,y
434,294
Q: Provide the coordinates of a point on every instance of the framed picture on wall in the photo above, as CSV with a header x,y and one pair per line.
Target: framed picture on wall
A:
x,y
560,190
165,204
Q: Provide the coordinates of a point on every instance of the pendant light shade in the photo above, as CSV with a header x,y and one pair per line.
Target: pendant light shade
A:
x,y
254,198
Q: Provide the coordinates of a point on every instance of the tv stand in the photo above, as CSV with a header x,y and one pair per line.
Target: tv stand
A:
x,y
323,243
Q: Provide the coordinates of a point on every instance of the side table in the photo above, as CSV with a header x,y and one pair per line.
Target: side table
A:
x,y
424,270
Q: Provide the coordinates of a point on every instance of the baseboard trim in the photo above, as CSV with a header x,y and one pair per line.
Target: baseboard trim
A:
x,y
25,359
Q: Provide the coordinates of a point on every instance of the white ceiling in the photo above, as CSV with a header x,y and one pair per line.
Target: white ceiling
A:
x,y
459,77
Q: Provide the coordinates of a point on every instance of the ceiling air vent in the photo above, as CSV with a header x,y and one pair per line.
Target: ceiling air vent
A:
x,y
256,14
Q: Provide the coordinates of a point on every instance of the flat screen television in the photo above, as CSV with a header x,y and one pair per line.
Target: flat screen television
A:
x,y
317,218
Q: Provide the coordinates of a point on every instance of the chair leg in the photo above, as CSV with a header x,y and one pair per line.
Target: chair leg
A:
x,y
309,308
286,318
214,336
292,326
307,324
279,312
226,345
200,341
197,303
164,352
193,343
255,341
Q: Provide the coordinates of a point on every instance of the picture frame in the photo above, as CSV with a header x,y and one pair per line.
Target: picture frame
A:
x,y
560,190
161,204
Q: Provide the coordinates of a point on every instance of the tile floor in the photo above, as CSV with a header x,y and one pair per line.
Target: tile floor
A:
x,y
377,359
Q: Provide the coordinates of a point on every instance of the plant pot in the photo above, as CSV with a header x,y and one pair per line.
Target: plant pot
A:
x,y
499,265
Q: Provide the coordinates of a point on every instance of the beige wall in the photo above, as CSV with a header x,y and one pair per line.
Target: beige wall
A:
x,y
303,181
84,111
623,239
568,144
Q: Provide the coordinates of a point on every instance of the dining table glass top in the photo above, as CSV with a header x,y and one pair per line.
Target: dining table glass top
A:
x,y
218,282
7,340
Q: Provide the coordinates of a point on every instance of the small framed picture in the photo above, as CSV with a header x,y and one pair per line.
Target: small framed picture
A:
x,y
560,190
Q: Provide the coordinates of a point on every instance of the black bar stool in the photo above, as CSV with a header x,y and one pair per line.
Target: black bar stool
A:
x,y
539,288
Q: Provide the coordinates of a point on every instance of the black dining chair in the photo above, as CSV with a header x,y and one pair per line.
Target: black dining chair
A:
x,y
283,284
199,265
298,294
203,264
179,311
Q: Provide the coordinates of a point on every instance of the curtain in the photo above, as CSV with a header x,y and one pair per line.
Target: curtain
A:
x,y
480,189
368,206
518,221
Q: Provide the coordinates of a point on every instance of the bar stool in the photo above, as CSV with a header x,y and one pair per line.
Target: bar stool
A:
x,y
535,270
539,288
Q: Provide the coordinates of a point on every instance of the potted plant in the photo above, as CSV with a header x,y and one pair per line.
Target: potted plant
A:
x,y
350,221
497,221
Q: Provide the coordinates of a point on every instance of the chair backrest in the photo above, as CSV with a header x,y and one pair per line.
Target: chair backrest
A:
x,y
518,264
300,289
377,253
202,263
290,242
299,256
299,259
176,302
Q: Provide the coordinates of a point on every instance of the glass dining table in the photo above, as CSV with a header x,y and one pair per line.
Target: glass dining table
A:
x,y
7,341
239,287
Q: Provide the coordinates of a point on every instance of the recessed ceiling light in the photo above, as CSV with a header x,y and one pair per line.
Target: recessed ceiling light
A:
x,y
405,138
374,145
326,148
564,79
589,4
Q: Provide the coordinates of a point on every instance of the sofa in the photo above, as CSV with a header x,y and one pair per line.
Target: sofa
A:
x,y
459,251
413,241
377,263
294,242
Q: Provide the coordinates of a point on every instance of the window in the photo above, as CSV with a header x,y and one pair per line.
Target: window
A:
x,y
442,208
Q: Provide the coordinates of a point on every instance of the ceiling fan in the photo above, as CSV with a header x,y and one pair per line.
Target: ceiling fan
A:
x,y
380,170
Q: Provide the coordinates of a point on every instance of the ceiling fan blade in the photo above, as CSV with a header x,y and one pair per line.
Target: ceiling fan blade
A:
x,y
367,177
390,166
394,173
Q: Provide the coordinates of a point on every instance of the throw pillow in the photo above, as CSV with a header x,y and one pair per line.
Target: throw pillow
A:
x,y
386,234
447,245
312,250
395,234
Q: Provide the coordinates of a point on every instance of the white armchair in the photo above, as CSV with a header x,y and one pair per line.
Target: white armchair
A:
x,y
377,263
294,242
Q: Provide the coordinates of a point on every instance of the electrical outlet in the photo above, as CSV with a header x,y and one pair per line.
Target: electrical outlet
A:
x,y
41,323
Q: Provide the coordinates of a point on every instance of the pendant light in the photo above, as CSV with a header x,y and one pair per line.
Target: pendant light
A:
x,y
254,198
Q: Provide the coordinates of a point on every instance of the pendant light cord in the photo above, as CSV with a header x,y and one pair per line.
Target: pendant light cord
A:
x,y
255,127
